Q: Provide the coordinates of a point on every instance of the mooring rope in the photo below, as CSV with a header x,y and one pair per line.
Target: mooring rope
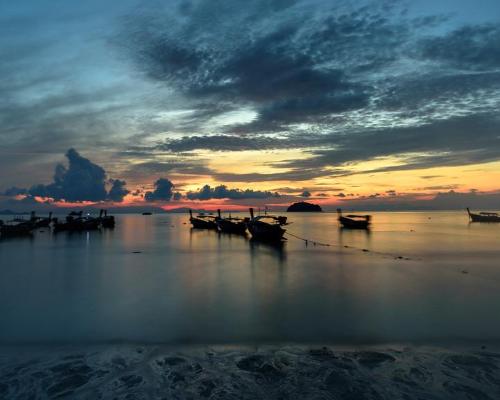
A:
x,y
364,250
307,241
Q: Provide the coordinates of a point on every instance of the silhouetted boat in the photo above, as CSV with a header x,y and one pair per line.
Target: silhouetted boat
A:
x,y
107,221
16,228
75,221
202,221
40,222
484,216
266,227
231,224
354,221
147,213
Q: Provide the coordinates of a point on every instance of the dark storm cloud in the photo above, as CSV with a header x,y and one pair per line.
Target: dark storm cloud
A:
x,y
461,140
163,191
179,165
222,192
304,70
294,174
235,143
448,142
344,83
82,180
118,190
469,47
177,196
14,191
293,66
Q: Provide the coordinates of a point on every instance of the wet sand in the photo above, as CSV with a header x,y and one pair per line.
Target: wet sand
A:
x,y
126,371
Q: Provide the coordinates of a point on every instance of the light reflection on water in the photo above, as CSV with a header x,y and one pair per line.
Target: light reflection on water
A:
x,y
203,287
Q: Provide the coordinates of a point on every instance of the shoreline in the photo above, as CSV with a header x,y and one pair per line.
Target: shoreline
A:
x,y
134,371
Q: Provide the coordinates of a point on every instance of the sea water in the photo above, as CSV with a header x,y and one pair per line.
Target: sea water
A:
x,y
414,277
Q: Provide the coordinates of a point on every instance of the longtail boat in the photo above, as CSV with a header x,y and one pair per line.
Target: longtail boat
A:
x,y
353,221
75,221
266,227
483,216
107,221
40,222
231,224
16,228
202,221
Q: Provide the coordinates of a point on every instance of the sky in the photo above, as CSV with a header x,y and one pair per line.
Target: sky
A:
x,y
225,103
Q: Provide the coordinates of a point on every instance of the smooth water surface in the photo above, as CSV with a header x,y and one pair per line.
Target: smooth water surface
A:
x,y
154,279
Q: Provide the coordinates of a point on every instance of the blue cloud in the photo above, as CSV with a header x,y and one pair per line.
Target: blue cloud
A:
x,y
163,191
222,192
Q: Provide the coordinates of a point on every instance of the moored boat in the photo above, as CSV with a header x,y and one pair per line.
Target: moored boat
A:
x,y
352,221
107,221
231,224
75,221
483,216
266,227
40,222
15,228
202,221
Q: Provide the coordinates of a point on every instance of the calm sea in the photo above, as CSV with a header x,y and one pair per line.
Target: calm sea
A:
x,y
418,277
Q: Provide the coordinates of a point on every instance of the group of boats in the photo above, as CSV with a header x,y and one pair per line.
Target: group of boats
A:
x,y
73,222
266,227
271,227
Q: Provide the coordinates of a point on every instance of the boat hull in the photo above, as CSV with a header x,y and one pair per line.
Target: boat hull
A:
x,y
77,225
199,223
350,223
265,232
484,218
228,226
15,230
108,222
45,223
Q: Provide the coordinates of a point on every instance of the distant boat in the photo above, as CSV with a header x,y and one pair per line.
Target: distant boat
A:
x,y
107,221
202,221
40,222
16,228
75,221
266,227
147,213
484,216
354,221
231,224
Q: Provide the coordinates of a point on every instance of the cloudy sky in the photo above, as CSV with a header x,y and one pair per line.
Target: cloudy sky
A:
x,y
249,102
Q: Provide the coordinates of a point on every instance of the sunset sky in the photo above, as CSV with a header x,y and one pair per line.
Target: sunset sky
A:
x,y
366,104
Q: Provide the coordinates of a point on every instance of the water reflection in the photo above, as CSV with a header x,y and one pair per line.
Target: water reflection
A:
x,y
276,249
154,278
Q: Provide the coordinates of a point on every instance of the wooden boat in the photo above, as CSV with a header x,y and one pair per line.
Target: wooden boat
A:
x,y
231,224
266,227
40,222
353,221
75,221
15,228
202,221
107,221
484,216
